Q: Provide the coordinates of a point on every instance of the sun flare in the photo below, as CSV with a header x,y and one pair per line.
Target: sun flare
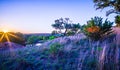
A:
x,y
5,31
6,34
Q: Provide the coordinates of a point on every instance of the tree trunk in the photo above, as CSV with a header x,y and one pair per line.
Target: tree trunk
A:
x,y
65,32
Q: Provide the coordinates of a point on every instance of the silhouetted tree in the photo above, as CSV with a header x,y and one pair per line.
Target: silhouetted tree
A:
x,y
114,4
58,25
75,28
66,25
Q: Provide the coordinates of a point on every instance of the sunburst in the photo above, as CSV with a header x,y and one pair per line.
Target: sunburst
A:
x,y
5,31
6,34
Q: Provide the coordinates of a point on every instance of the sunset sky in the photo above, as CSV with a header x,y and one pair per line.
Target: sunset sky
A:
x,y
36,16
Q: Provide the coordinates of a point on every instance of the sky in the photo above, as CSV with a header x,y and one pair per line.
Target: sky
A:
x,y
37,16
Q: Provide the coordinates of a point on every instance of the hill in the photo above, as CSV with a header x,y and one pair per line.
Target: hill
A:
x,y
66,53
38,34
9,45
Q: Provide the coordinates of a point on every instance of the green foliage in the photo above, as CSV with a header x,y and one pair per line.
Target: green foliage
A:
x,y
96,29
117,20
58,25
44,38
99,48
66,25
74,29
55,48
54,32
90,63
70,33
114,4
32,39
51,37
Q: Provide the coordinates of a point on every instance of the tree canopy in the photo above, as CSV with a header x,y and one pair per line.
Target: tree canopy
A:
x,y
113,4
66,25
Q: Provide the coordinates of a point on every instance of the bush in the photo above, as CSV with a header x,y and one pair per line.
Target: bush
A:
x,y
32,39
117,20
51,37
55,48
96,29
70,33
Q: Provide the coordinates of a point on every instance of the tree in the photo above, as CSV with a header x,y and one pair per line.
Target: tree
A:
x,y
66,25
75,28
58,25
67,28
114,4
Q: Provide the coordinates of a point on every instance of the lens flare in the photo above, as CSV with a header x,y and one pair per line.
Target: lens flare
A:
x,y
6,34
5,31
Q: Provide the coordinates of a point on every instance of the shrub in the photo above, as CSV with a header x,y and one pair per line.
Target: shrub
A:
x,y
96,29
32,39
117,20
51,37
55,48
70,33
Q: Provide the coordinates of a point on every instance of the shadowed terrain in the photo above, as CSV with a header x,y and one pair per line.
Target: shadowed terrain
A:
x,y
65,53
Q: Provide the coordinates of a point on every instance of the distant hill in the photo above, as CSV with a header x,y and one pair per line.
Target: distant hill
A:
x,y
38,34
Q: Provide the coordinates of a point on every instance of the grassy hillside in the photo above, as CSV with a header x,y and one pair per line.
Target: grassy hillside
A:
x,y
65,53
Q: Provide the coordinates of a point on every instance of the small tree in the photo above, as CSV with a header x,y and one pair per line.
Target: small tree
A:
x,y
96,29
58,25
66,25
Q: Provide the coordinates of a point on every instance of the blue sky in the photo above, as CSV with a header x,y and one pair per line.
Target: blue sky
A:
x,y
36,16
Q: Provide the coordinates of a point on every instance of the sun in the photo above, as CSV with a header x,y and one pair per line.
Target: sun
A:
x,y
5,31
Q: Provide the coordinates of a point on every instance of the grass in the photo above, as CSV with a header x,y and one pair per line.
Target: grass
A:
x,y
65,53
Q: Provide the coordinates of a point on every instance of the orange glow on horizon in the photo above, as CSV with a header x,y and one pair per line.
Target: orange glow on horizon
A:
x,y
5,30
6,35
